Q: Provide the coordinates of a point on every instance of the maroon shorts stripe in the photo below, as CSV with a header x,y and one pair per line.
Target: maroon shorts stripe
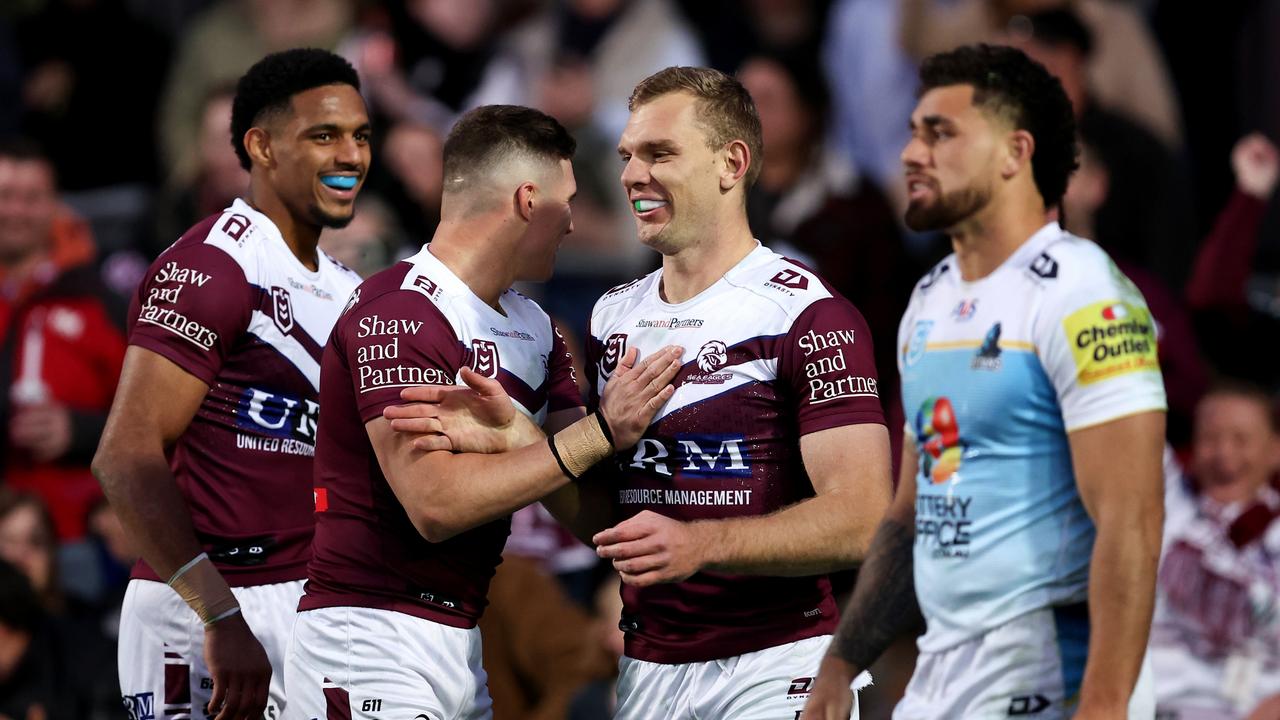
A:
x,y
337,704
177,684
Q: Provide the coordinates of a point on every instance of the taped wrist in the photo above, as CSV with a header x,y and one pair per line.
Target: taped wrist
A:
x,y
202,587
581,445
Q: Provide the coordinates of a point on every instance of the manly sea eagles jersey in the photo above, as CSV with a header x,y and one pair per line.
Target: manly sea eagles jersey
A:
x,y
416,323
231,304
771,354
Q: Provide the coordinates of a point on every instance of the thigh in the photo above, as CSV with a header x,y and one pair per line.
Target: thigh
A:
x,y
161,654
361,663
1024,669
770,684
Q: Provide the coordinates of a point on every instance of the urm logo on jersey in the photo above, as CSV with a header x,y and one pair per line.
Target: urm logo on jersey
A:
x,y
694,455
278,415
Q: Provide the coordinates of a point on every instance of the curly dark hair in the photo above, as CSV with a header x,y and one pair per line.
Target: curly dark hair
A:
x,y
1009,83
272,82
491,133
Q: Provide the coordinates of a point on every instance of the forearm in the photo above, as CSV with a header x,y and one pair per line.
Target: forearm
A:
x,y
152,509
823,534
883,606
1121,598
584,507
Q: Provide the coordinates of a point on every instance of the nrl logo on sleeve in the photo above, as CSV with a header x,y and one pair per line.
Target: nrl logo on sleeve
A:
x,y
484,357
614,348
281,309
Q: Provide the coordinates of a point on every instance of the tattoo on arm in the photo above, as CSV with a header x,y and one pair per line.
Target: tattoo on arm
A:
x,y
883,606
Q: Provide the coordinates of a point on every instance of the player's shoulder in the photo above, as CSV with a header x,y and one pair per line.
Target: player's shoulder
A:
x,y
941,272
621,299
1068,268
342,275
780,281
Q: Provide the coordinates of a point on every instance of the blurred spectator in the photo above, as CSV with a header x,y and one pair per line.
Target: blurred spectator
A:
x,y
598,699
1147,218
62,345
219,46
69,643
873,84
33,672
1233,306
409,175
219,179
536,534
622,41
1215,643
536,652
1126,72
808,201
86,99
369,242
731,30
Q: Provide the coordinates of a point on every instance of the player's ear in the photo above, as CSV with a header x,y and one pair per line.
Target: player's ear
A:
x,y
1021,146
735,161
525,198
257,142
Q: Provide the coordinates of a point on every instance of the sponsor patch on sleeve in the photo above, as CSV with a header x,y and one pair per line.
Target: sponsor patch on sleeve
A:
x,y
1111,338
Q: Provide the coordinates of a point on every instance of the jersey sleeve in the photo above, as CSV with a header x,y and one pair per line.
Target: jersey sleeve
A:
x,y
392,342
562,380
827,364
191,308
1097,342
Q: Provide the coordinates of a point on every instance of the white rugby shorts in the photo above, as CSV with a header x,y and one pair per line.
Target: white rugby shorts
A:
x,y
769,684
1028,668
354,662
161,650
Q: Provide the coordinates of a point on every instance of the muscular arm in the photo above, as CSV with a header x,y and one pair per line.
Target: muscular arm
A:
x,y
1118,472
446,493
827,532
883,606
154,403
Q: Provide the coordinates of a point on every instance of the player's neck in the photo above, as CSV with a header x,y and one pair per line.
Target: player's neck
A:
x,y
991,236
688,272
475,257
303,238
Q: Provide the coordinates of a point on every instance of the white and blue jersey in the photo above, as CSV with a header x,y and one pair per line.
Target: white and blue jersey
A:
x,y
995,374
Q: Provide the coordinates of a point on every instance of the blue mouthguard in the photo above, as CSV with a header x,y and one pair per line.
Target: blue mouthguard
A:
x,y
341,182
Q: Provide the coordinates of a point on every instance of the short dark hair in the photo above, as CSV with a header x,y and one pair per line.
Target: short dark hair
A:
x,y
272,82
725,108
493,132
1007,82
1236,387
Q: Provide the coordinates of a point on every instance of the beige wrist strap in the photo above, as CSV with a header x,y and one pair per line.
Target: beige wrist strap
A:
x,y
580,446
202,587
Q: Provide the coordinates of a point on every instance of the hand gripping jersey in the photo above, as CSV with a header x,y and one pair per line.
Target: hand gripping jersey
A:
x,y
416,323
995,373
771,354
231,304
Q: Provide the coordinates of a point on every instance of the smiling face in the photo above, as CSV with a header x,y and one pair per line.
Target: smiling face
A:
x,y
28,204
1236,450
672,177
550,220
952,162
319,154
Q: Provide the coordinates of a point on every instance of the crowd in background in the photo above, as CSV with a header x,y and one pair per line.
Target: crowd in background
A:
x,y
114,138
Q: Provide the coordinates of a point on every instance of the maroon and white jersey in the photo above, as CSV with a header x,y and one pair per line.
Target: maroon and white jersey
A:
x,y
231,304
416,323
771,354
